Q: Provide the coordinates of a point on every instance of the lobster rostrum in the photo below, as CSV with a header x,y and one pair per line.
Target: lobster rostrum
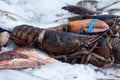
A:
x,y
65,46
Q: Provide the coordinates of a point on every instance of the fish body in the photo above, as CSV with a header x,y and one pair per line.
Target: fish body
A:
x,y
24,58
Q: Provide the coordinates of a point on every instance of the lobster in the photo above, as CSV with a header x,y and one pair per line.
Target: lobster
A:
x,y
64,46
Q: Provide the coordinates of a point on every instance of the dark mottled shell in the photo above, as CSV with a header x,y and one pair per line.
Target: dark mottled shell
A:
x,y
24,35
52,41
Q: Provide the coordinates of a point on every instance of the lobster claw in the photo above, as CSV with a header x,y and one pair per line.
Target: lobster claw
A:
x,y
88,25
24,58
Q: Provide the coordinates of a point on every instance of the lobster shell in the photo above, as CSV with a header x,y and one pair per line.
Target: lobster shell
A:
x,y
99,26
25,35
4,38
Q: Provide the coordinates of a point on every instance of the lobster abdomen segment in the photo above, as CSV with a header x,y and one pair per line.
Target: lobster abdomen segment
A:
x,y
24,35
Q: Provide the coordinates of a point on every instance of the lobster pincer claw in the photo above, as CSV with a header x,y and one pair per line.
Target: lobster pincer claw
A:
x,y
87,25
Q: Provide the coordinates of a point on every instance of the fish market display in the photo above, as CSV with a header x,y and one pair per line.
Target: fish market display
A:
x,y
65,40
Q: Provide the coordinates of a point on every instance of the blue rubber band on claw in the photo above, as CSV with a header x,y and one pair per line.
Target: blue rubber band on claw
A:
x,y
92,25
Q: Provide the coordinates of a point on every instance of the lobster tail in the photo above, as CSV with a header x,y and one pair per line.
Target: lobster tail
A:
x,y
25,35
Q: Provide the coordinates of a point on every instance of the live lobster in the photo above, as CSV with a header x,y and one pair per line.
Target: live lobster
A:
x,y
65,46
